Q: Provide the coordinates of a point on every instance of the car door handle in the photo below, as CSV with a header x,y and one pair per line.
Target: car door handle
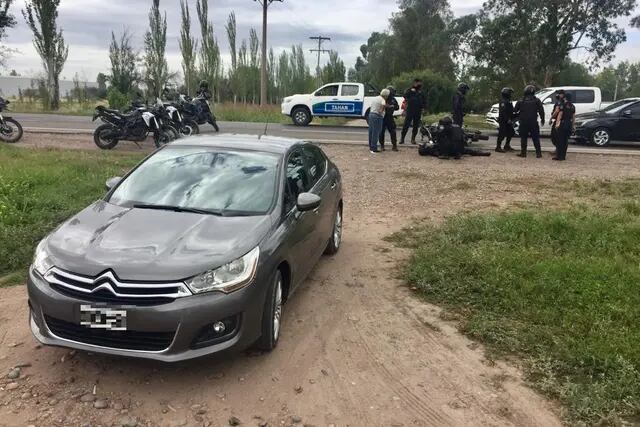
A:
x,y
336,99
334,185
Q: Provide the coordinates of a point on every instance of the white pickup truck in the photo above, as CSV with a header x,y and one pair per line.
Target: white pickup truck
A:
x,y
347,99
586,100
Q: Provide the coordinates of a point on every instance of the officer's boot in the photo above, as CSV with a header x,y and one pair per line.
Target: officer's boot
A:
x,y
523,150
507,146
394,141
499,146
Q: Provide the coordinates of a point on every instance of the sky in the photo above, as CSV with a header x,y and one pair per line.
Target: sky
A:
x,y
87,26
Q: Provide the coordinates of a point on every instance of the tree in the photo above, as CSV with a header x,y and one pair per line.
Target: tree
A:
x,y
101,79
155,43
210,62
188,48
7,20
334,70
124,74
534,39
232,34
41,16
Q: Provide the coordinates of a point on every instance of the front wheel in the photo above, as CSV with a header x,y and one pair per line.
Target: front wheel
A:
x,y
105,137
11,131
336,235
161,138
301,116
272,315
601,137
171,131
194,126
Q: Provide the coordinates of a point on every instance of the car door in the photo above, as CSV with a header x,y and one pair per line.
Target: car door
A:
x,y
323,187
351,99
300,226
326,102
628,126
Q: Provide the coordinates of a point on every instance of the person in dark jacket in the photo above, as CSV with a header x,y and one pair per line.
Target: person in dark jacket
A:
x,y
565,124
528,109
416,102
505,120
389,123
560,96
459,99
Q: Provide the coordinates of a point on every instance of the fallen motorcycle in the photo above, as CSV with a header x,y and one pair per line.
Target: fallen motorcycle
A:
x,y
10,129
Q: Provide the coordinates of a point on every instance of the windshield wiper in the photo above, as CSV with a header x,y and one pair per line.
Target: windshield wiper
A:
x,y
179,209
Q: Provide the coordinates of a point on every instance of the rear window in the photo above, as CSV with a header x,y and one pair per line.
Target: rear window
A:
x,y
584,97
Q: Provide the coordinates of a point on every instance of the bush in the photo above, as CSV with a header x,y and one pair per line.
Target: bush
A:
x,y
439,89
117,99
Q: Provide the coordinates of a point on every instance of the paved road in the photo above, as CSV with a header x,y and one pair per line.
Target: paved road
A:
x,y
321,134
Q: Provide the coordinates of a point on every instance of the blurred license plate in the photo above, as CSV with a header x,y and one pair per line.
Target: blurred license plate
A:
x,y
110,319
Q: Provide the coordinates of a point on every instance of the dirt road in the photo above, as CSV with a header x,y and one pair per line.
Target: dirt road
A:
x,y
358,349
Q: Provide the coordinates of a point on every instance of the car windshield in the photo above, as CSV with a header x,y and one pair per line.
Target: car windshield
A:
x,y
617,106
221,182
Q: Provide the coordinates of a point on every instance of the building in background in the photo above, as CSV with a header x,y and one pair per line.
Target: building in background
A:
x,y
10,85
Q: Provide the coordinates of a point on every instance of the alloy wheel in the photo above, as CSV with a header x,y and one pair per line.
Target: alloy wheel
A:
x,y
277,310
601,137
337,229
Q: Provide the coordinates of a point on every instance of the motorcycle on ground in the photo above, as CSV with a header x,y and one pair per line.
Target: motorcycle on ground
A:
x,y
10,129
134,126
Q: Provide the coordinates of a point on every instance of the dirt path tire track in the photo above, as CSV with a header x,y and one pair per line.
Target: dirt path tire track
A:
x,y
363,349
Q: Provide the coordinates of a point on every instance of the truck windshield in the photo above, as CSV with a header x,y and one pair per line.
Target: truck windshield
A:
x,y
542,94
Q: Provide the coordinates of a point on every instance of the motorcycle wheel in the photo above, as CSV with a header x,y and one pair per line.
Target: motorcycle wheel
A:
x,y
161,138
11,131
186,130
194,126
172,132
101,136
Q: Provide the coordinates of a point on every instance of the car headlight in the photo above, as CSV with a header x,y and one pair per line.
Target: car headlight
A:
x,y
41,261
583,122
228,278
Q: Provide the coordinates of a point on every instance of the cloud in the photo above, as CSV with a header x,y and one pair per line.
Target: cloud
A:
x,y
87,25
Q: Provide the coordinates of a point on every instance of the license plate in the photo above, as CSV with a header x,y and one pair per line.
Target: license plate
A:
x,y
110,319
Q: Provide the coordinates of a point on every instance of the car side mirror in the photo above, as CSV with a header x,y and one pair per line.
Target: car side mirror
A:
x,y
112,182
626,113
308,202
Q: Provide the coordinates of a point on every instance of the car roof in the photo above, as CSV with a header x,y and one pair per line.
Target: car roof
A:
x,y
263,143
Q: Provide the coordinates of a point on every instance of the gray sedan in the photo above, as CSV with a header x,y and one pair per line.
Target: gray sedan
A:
x,y
193,252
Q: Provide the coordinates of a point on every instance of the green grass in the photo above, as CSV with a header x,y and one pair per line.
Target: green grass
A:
x,y
41,188
559,289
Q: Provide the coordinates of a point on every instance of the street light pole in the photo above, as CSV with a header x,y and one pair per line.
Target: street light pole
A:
x,y
263,66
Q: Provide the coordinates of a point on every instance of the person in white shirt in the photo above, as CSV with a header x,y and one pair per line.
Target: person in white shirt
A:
x,y
376,118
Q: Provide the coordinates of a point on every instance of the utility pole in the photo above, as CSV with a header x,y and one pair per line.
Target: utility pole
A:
x,y
320,50
263,66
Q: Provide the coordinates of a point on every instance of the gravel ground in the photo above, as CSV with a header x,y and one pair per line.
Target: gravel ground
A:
x,y
357,348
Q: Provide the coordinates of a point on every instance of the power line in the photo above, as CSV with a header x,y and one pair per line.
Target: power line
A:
x,y
320,50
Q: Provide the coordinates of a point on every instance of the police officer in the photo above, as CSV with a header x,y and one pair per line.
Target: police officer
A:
x,y
564,125
560,96
528,109
459,100
203,90
416,102
450,139
389,122
505,120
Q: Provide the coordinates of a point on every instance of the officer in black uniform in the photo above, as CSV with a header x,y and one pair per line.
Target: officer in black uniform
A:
x,y
203,90
416,102
389,122
450,139
565,123
457,113
528,109
560,95
505,120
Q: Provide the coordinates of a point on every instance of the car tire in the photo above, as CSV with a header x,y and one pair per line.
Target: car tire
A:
x,y
272,315
336,234
301,116
601,137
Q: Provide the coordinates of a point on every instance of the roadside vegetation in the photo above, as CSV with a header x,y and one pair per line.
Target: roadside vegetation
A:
x,y
558,288
41,188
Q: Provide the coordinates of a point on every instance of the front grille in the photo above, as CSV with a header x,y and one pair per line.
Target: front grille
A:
x,y
109,289
123,340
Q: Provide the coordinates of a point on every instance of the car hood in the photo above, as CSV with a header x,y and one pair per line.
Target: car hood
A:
x,y
592,115
144,244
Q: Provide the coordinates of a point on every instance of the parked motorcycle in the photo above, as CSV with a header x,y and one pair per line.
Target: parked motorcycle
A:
x,y
186,127
133,126
10,129
198,110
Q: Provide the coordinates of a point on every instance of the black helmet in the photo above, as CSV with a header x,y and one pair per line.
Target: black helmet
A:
x,y
529,90
507,92
392,90
446,121
204,84
463,88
